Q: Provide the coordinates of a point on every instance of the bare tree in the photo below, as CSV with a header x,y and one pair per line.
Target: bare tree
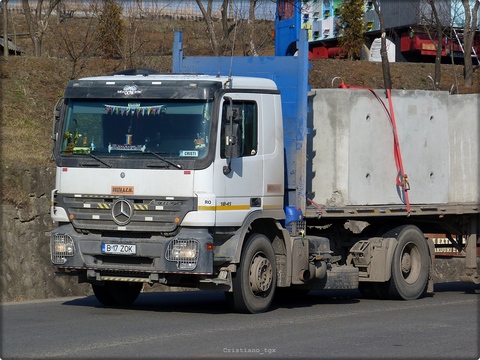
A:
x,y
225,29
79,43
456,15
207,16
5,28
245,29
132,41
432,20
469,28
251,24
37,24
385,64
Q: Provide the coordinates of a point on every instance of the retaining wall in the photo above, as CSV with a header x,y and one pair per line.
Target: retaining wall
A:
x,y
26,271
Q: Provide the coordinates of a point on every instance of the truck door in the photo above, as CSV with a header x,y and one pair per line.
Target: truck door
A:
x,y
238,180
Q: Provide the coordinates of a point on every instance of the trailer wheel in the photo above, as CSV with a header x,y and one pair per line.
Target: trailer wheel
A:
x,y
256,278
410,264
117,293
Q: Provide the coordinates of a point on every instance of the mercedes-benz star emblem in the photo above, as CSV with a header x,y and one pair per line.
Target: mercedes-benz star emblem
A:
x,y
122,212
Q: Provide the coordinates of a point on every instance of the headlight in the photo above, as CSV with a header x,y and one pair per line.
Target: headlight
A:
x,y
61,246
184,252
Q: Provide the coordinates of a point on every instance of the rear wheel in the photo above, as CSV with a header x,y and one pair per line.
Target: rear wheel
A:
x,y
374,290
256,278
117,293
410,264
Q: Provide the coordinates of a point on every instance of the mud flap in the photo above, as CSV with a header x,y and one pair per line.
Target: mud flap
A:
x,y
431,250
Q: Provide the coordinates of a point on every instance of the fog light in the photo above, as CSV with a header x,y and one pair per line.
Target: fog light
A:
x,y
184,252
61,246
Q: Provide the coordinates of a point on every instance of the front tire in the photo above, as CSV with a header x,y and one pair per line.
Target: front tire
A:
x,y
114,293
103,295
256,278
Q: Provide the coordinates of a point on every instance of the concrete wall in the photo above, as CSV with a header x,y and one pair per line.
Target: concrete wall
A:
x,y
26,271
464,135
351,147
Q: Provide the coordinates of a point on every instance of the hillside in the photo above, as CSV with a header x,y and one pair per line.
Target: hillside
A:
x,y
31,85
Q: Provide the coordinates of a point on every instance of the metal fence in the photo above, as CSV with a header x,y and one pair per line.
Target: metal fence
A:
x,y
264,9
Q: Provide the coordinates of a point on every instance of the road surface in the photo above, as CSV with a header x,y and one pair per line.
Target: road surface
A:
x,y
322,325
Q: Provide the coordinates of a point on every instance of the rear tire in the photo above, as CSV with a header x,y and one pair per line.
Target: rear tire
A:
x,y
114,293
256,277
374,290
410,264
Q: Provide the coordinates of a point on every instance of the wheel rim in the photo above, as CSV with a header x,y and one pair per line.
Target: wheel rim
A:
x,y
261,274
410,263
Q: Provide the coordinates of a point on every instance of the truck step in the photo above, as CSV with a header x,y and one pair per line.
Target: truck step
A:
x,y
471,279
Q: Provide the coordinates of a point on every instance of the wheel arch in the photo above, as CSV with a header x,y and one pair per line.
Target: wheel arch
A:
x,y
270,227
281,243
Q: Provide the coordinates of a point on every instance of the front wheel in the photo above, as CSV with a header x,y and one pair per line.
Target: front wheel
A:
x,y
410,264
256,278
117,293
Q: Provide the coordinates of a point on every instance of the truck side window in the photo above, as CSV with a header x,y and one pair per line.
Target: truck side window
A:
x,y
245,127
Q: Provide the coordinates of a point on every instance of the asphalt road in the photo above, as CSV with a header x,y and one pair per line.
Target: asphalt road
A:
x,y
322,325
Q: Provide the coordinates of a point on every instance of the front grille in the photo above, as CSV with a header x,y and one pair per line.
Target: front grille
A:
x,y
160,215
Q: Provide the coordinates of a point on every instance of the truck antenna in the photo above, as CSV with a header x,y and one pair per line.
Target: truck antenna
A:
x,y
231,56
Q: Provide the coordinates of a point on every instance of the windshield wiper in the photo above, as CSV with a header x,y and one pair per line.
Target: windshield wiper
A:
x,y
89,153
98,159
178,166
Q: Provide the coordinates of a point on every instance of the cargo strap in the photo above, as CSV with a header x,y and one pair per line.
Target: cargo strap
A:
x,y
401,178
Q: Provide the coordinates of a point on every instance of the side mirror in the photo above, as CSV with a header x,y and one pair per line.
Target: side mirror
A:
x,y
56,119
232,143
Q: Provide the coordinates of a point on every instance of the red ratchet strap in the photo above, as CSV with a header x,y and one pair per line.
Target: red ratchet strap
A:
x,y
402,178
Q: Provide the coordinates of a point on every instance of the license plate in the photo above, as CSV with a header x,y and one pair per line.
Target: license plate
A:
x,y
119,249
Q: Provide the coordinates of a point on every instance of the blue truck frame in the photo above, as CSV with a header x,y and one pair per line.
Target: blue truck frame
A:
x,y
290,73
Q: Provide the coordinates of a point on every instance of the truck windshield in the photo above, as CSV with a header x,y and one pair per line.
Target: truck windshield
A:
x,y
172,128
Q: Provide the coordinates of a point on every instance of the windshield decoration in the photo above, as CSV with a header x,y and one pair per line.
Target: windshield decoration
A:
x,y
126,147
165,129
134,109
